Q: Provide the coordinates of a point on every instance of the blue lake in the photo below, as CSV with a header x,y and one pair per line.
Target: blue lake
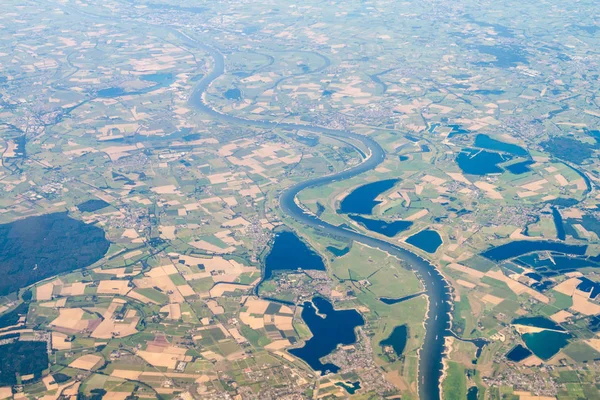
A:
x,y
92,205
233,94
160,79
362,199
338,252
397,339
520,167
559,263
538,322
473,393
481,162
520,247
506,56
111,92
427,240
589,286
389,229
350,387
291,253
558,223
335,328
518,353
486,142
546,344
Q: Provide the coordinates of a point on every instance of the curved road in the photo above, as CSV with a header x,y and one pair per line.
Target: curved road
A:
x,y
437,322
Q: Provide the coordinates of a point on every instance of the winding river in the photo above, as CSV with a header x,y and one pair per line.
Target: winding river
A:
x,y
437,321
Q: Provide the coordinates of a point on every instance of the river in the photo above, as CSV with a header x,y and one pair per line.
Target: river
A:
x,y
437,321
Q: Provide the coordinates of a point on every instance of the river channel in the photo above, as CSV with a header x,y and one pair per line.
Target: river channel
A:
x,y
437,321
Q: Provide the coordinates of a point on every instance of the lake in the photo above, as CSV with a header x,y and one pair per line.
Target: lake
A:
x,y
558,223
457,130
473,393
111,92
559,263
289,252
362,199
520,167
518,353
35,248
538,322
589,286
337,328
389,229
92,205
520,247
350,387
546,344
427,240
397,339
481,162
486,142
505,56
160,80
233,94
338,252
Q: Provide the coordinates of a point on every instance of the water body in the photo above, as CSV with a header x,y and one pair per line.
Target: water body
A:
x,y
390,301
111,92
506,56
160,80
518,353
427,240
338,252
437,320
538,322
473,393
337,328
233,94
397,339
589,286
92,205
35,248
479,343
290,253
169,7
350,387
389,229
457,130
520,247
534,276
546,266
520,167
546,344
480,162
486,142
362,199
558,223
489,92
